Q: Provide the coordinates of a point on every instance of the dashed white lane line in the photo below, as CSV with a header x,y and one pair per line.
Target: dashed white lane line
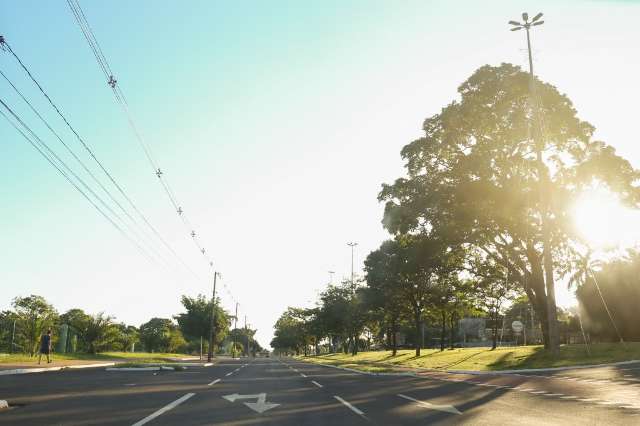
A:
x,y
569,397
164,409
229,373
554,394
214,382
303,375
351,407
538,392
587,399
316,383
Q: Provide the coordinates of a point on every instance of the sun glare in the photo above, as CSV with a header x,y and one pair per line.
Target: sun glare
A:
x,y
604,222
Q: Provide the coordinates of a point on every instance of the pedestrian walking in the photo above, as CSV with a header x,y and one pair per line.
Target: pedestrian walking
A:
x,y
45,346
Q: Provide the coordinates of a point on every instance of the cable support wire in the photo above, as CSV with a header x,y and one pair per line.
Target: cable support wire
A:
x,y
39,145
98,162
103,63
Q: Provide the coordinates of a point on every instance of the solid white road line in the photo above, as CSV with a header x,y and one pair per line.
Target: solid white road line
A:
x,y
164,409
351,407
316,383
214,382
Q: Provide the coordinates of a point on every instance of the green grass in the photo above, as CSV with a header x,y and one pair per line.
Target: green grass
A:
x,y
105,356
484,359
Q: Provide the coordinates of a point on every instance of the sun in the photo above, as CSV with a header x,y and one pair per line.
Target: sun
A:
x,y
604,222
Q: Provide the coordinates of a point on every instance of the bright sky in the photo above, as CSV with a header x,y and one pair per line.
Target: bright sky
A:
x,y
275,123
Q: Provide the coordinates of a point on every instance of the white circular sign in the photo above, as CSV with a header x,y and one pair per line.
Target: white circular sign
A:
x,y
517,326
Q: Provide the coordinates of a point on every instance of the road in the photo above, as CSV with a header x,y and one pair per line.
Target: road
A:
x,y
268,391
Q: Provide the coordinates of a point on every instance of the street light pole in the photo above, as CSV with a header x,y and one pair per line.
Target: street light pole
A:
x,y
552,328
235,331
352,245
212,332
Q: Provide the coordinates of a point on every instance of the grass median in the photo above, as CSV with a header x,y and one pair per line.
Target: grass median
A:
x,y
139,357
482,359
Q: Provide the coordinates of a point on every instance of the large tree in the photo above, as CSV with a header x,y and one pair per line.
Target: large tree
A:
x,y
195,323
475,180
383,277
34,316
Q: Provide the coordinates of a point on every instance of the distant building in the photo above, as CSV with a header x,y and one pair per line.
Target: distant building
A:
x,y
472,331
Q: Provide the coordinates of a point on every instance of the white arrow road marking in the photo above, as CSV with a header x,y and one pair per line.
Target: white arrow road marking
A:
x,y
351,407
260,406
164,409
214,382
447,408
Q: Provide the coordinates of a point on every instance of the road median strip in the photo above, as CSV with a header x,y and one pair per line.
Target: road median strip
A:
x,y
47,369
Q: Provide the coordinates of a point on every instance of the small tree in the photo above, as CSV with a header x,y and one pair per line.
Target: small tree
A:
x,y
35,315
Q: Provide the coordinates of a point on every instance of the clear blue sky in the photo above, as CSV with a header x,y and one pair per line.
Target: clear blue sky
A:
x,y
275,122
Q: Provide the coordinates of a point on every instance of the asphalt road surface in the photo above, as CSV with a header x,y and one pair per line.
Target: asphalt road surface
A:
x,y
287,392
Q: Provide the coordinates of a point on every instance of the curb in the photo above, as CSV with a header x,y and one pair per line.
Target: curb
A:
x,y
535,370
141,369
480,373
45,369
4,405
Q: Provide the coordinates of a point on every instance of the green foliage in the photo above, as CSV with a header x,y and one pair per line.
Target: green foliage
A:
x,y
155,334
196,321
34,317
474,179
618,283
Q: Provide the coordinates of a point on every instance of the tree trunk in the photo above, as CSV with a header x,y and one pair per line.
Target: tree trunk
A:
x,y
394,331
443,330
552,311
354,348
494,342
452,319
419,341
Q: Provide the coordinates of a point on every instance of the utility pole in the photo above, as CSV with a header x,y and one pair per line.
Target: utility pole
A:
x,y
246,333
235,331
331,276
552,326
212,332
353,283
13,336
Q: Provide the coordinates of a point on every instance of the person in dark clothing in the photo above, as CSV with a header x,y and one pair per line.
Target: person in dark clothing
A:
x,y
45,346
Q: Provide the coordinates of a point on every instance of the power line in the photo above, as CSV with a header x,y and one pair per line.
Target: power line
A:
x,y
89,172
120,189
103,63
56,166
